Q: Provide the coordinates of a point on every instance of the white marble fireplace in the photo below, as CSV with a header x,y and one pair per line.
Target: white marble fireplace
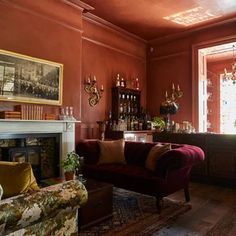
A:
x,y
65,128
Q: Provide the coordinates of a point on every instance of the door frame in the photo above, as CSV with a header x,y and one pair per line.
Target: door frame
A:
x,y
195,69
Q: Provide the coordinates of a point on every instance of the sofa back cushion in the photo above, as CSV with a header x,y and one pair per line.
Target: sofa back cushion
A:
x,y
154,154
16,178
136,152
111,152
89,149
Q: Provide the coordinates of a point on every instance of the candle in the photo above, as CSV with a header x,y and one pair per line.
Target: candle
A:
x,y
178,88
173,86
88,80
166,94
225,71
94,78
102,88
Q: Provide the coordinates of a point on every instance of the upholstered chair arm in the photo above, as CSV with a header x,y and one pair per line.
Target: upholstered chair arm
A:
x,y
27,209
179,158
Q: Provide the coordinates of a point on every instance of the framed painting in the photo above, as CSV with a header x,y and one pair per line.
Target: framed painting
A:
x,y
28,79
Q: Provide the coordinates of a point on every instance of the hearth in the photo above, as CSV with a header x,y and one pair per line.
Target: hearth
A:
x,y
35,141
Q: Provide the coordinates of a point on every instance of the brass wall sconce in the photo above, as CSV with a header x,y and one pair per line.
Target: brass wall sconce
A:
x,y
92,89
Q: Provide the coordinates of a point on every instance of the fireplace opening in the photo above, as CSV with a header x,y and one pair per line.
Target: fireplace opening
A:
x,y
42,151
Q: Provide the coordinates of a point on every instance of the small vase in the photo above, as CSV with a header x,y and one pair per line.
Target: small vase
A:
x,y
69,175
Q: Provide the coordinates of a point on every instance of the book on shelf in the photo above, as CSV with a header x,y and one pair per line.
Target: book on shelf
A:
x,y
30,112
10,115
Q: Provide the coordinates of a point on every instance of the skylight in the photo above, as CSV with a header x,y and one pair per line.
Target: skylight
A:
x,y
193,16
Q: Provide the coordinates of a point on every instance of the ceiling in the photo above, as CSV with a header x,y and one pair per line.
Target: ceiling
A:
x,y
144,18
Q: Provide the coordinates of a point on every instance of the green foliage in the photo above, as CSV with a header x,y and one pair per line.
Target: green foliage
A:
x,y
71,162
158,122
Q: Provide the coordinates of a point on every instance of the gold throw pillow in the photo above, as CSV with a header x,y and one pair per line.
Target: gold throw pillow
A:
x,y
16,178
154,154
112,152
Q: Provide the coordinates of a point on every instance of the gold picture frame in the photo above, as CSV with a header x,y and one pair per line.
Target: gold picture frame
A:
x,y
30,80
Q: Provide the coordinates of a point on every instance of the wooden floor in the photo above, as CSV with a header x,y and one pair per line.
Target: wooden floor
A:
x,y
213,208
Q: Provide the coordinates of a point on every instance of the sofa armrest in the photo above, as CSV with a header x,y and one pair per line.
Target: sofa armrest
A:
x,y
29,208
183,157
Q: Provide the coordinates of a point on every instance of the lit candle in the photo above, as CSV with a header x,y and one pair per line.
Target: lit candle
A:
x,y
178,88
102,88
173,86
88,80
166,94
225,71
94,78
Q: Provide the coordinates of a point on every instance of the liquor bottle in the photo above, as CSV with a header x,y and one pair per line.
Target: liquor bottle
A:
x,y
121,108
140,124
110,121
135,123
132,123
128,123
125,107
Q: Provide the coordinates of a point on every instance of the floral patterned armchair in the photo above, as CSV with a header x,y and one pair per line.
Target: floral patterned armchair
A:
x,y
50,211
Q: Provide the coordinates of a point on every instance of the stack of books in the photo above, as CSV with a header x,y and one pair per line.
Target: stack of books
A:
x,y
10,115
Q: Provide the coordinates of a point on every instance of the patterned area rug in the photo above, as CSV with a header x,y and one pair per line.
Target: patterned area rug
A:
x,y
135,214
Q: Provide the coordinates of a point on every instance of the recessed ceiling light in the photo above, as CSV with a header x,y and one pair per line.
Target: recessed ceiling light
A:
x,y
193,16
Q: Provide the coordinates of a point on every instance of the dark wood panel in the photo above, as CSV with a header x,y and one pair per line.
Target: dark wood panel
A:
x,y
219,166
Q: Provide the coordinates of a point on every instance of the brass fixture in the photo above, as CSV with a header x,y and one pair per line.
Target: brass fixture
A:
x,y
170,105
92,89
175,94
232,74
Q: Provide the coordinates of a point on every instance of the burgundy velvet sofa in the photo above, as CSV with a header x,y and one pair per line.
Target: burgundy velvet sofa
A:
x,y
172,169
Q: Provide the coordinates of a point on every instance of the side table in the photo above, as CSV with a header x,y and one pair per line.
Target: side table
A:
x,y
99,206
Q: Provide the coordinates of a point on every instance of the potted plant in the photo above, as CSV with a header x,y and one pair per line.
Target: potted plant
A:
x,y
158,123
70,164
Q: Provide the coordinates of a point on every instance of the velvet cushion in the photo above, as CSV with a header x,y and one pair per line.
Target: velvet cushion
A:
x,y
16,178
154,154
111,152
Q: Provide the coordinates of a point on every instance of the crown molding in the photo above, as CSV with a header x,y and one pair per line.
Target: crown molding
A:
x,y
191,31
80,5
113,48
28,9
108,25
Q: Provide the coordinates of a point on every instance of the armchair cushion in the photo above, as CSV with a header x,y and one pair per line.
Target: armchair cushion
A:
x,y
50,211
16,178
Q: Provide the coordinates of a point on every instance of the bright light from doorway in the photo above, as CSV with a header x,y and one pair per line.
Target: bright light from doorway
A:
x,y
193,16
227,107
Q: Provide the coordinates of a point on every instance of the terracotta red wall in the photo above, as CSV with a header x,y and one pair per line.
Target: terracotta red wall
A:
x,y
30,28
105,53
170,61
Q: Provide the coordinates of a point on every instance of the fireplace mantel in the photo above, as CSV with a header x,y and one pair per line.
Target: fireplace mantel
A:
x,y
66,129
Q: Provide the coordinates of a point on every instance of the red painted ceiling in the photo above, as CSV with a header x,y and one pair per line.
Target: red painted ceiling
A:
x,y
144,18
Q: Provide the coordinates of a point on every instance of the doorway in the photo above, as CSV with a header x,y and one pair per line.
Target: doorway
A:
x,y
216,94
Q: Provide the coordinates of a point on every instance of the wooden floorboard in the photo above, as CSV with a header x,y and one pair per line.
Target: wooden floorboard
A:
x,y
212,206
